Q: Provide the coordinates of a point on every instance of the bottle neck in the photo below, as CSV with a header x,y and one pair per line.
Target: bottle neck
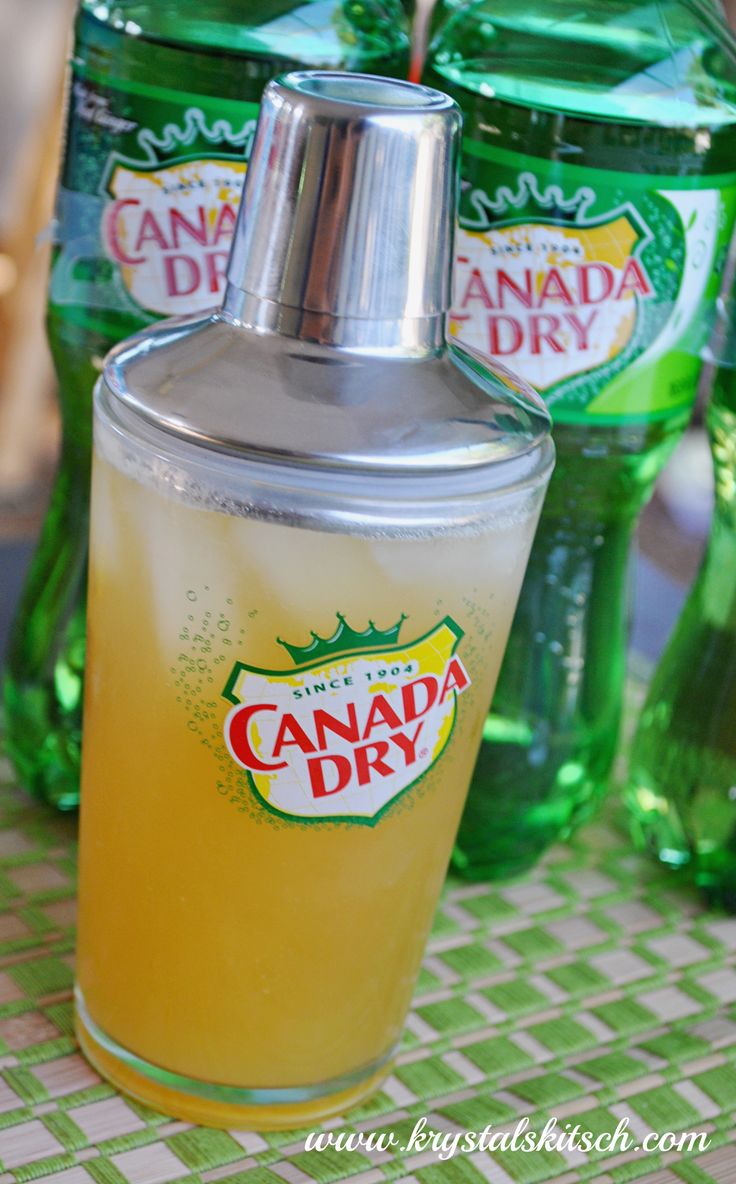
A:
x,y
409,336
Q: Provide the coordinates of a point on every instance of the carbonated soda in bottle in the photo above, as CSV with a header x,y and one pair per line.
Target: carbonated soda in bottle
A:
x,y
162,110
598,197
682,775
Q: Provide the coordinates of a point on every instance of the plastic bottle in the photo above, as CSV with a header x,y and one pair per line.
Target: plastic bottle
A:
x,y
162,111
682,780
597,205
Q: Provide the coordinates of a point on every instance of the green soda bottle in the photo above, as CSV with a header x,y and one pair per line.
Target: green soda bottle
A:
x,y
598,200
442,8
163,105
682,774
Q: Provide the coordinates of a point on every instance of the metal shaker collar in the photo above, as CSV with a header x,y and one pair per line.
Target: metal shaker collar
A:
x,y
345,228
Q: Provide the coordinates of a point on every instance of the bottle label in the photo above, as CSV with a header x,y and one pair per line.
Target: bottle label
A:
x,y
358,721
149,197
594,286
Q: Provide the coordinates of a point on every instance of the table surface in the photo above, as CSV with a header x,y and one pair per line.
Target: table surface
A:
x,y
594,989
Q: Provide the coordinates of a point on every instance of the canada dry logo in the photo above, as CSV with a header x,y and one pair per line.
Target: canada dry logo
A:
x,y
357,721
540,282
172,216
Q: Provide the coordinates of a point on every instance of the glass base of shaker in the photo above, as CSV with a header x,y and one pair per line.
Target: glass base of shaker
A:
x,y
226,1106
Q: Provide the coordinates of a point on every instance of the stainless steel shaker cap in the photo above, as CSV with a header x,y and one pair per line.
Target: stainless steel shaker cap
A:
x,y
346,204
329,351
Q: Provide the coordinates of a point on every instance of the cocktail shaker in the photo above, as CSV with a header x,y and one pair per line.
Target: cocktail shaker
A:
x,y
310,522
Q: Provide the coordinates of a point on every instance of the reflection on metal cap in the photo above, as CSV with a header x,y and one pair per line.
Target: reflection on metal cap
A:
x,y
348,208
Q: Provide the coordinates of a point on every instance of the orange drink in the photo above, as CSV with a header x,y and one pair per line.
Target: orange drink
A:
x,y
309,530
266,827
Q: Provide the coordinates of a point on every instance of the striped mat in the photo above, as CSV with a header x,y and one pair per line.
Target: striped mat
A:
x,y
597,988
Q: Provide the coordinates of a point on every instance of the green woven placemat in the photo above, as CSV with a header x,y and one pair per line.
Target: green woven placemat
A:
x,y
594,989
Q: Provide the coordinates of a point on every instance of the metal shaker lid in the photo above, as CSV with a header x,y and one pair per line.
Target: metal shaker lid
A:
x,y
345,208
329,350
